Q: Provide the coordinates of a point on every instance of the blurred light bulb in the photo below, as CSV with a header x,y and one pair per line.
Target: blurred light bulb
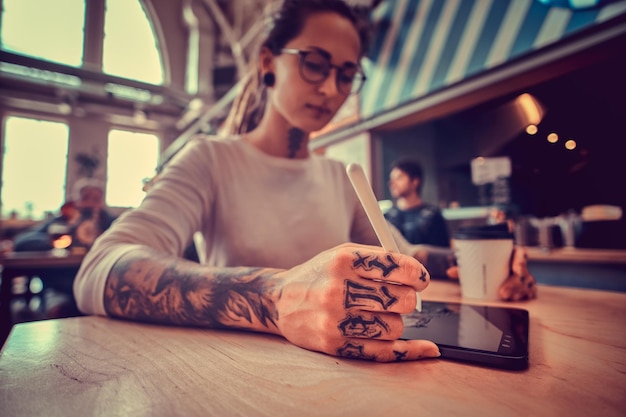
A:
x,y
139,117
570,144
553,138
195,104
531,129
531,108
64,108
62,242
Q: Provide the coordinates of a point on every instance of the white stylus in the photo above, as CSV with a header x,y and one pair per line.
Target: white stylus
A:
x,y
374,214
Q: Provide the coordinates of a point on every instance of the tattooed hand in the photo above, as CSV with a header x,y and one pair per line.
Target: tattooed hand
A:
x,y
347,302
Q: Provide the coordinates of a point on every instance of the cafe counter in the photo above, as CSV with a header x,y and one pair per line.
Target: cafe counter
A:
x,y
577,255
579,267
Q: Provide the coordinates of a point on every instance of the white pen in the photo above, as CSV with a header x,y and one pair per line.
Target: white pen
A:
x,y
372,209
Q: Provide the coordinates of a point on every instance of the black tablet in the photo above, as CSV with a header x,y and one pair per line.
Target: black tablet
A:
x,y
483,335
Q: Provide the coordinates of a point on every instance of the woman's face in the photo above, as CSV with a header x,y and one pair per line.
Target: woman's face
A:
x,y
302,104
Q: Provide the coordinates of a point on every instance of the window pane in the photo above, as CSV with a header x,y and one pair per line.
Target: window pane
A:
x,y
130,49
34,166
50,30
132,157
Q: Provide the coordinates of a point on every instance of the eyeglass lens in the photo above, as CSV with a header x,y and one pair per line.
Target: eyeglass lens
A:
x,y
315,68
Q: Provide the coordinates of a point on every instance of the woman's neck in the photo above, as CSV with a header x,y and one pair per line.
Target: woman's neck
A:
x,y
277,138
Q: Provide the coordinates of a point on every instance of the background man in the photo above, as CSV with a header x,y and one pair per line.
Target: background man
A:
x,y
419,222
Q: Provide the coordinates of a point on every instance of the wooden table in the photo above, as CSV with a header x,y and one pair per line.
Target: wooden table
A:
x,y
28,264
94,366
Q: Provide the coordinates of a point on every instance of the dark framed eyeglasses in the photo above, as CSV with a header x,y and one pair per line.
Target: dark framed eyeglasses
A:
x,y
315,68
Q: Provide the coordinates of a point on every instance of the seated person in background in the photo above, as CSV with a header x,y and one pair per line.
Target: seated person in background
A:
x,y
39,237
84,218
418,221
94,218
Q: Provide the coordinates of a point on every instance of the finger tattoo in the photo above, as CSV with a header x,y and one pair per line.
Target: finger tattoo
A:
x,y
400,355
372,262
353,350
423,276
358,295
357,326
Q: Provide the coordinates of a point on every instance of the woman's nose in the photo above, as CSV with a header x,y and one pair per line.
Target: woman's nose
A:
x,y
329,85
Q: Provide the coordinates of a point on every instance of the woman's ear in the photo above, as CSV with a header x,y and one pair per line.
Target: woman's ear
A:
x,y
266,60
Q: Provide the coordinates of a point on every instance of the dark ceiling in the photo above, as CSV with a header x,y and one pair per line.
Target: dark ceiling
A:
x,y
589,106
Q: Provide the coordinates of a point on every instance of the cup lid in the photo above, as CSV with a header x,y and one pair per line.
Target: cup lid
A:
x,y
497,231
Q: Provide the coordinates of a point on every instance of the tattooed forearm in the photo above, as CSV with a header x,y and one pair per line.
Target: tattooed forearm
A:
x,y
145,287
296,138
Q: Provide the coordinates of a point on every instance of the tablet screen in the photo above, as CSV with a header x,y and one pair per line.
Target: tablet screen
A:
x,y
493,336
453,325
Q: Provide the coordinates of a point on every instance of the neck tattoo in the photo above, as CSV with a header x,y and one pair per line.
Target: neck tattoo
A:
x,y
296,138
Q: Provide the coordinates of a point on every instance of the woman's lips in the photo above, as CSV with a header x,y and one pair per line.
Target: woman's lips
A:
x,y
321,110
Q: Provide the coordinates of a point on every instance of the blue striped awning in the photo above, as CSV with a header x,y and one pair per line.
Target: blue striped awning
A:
x,y
421,46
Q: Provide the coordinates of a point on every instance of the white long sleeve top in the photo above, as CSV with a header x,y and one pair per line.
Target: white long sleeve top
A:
x,y
253,210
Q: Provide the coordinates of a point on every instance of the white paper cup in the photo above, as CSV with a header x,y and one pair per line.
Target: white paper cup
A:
x,y
483,256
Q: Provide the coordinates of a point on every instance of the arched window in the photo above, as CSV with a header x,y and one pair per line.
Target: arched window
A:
x,y
51,30
130,49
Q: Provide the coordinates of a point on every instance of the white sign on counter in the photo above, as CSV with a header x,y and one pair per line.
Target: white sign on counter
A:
x,y
488,170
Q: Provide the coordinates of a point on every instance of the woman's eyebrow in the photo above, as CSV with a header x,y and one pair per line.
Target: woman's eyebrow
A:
x,y
349,64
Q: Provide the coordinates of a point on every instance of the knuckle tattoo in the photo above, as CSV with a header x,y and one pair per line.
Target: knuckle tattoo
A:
x,y
354,350
358,326
358,295
373,262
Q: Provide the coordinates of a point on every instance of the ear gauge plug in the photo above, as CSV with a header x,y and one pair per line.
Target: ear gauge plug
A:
x,y
269,79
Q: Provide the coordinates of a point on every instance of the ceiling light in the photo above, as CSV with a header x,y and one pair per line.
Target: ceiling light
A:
x,y
531,129
64,108
530,108
195,104
140,117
